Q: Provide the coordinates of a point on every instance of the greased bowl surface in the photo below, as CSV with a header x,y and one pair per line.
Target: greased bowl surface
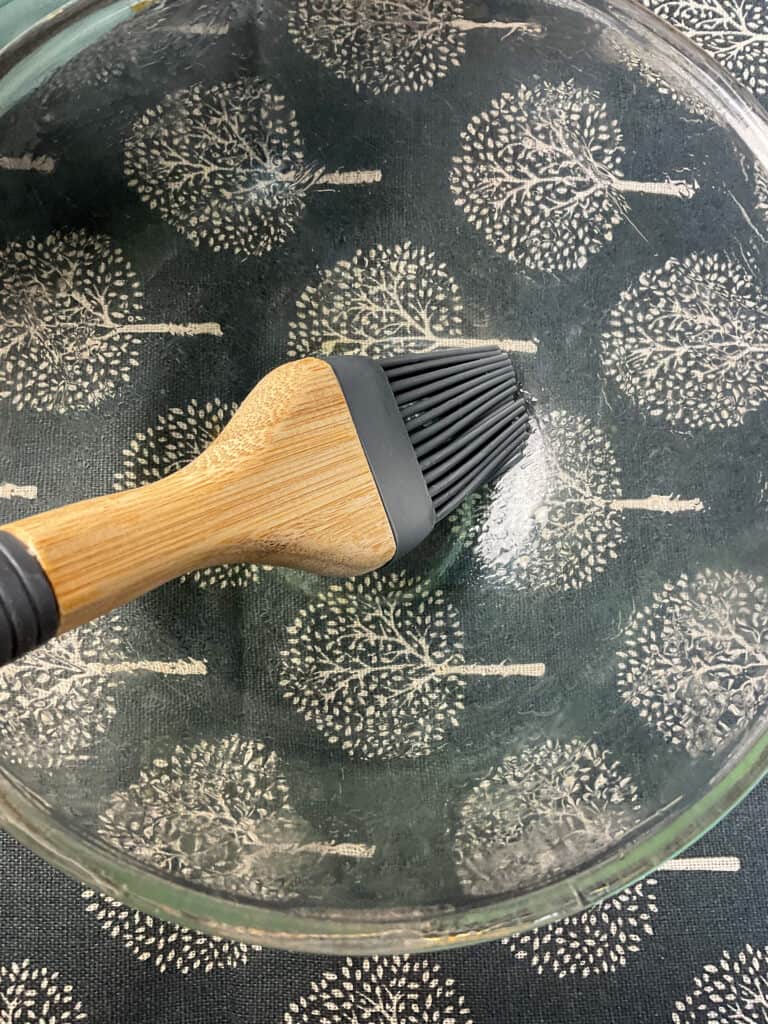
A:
x,y
567,683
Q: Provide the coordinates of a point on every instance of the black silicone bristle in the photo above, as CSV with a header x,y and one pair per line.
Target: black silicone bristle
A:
x,y
465,414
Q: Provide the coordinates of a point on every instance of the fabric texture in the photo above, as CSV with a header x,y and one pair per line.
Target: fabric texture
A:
x,y
640,960
168,322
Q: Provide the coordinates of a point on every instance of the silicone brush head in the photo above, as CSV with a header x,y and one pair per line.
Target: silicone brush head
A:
x,y
435,427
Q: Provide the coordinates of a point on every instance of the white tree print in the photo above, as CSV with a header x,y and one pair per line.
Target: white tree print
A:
x,y
710,864
382,301
376,664
201,19
539,175
552,806
71,321
9,491
599,941
755,212
58,700
35,995
381,990
178,437
28,162
166,946
732,991
689,342
556,521
760,177
390,45
158,32
734,32
694,661
219,813
666,82
224,164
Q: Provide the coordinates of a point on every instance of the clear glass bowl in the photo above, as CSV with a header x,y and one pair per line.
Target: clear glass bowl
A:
x,y
566,685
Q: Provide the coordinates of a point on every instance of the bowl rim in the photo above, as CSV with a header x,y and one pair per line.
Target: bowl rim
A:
x,y
316,929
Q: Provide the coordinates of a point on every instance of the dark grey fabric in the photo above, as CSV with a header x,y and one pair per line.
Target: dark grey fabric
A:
x,y
700,915
657,950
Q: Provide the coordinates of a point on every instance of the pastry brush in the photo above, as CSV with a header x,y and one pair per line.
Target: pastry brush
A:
x,y
336,465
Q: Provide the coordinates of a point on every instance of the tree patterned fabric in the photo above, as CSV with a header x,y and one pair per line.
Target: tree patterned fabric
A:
x,y
242,166
683,945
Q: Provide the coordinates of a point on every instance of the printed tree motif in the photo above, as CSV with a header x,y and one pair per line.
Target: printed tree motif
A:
x,y
165,946
710,864
178,437
71,321
689,342
757,205
599,941
666,83
58,700
695,660
732,991
734,32
224,164
556,521
158,33
390,46
539,175
201,19
219,813
384,300
552,806
8,491
35,995
760,177
381,990
28,162
376,664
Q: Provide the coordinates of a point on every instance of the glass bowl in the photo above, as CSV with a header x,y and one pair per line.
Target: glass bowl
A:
x,y
567,683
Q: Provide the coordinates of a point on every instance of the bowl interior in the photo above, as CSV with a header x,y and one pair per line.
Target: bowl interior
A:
x,y
574,658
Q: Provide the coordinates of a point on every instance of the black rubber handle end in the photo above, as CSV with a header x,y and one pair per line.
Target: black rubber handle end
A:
x,y
29,612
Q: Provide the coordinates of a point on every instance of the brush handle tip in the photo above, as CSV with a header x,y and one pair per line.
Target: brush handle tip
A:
x,y
29,613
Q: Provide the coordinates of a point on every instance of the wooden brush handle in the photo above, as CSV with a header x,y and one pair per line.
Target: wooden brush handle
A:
x,y
101,553
285,483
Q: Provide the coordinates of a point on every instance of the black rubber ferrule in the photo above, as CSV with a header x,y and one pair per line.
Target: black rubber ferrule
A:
x,y
388,448
29,613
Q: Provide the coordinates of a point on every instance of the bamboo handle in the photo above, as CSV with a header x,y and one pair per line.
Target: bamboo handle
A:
x,y
104,552
285,483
